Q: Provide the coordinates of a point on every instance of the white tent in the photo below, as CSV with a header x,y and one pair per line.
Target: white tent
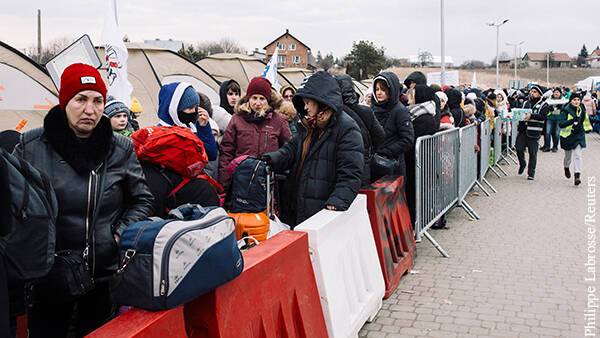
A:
x,y
239,67
26,90
588,83
149,67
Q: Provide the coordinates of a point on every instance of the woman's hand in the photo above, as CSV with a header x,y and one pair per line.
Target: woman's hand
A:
x,y
203,117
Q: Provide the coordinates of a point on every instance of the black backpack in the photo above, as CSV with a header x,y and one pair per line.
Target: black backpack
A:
x,y
248,190
29,219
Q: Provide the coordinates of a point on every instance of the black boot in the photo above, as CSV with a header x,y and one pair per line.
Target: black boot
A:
x,y
567,173
577,180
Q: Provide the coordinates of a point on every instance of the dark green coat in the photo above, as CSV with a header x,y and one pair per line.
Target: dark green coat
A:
x,y
571,136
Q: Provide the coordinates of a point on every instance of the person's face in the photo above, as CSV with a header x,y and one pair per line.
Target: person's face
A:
x,y
311,106
84,111
576,102
534,94
556,94
232,97
288,95
258,103
382,93
368,99
119,121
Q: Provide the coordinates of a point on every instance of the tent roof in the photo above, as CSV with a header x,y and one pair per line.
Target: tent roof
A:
x,y
241,68
28,92
295,75
149,66
14,58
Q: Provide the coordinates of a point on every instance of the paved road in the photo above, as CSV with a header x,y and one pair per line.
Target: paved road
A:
x,y
517,272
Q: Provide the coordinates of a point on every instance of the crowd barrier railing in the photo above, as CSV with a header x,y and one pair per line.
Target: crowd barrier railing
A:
x,y
436,180
144,324
467,167
498,132
485,150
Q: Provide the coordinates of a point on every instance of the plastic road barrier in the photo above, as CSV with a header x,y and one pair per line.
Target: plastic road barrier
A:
x,y
345,263
275,296
392,229
144,324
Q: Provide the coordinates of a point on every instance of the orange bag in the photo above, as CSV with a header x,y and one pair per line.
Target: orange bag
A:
x,y
253,224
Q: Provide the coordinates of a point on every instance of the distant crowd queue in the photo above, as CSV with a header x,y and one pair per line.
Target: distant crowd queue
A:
x,y
322,140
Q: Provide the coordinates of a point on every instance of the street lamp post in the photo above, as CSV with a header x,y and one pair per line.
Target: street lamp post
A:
x,y
497,25
548,68
515,45
443,73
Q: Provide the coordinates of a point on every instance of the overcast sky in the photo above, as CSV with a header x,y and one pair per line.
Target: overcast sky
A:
x,y
402,27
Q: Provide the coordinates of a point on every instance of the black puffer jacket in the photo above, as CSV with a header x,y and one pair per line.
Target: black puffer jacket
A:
x,y
454,100
395,119
69,162
332,170
372,132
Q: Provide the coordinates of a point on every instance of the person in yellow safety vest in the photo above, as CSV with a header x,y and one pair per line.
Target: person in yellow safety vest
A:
x,y
574,125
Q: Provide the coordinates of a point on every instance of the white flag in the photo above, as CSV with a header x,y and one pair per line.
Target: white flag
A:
x,y
116,56
270,72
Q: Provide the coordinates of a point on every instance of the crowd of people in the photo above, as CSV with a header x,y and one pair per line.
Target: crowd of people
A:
x,y
323,141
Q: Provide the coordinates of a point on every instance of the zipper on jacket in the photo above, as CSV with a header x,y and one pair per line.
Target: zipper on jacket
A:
x,y
164,272
91,207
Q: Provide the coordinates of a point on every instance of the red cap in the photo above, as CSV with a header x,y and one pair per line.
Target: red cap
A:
x,y
261,86
77,78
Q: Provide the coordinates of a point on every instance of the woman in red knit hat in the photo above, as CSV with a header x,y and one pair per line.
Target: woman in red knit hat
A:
x,y
100,189
255,128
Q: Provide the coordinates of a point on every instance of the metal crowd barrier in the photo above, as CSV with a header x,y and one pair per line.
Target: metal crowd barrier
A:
x,y
485,150
436,184
467,169
498,126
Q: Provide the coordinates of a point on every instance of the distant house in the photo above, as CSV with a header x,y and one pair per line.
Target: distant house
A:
x,y
293,53
506,64
536,60
594,58
172,45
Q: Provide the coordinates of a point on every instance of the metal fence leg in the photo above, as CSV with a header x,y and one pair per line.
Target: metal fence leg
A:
x,y
470,211
501,170
482,188
435,244
495,172
489,185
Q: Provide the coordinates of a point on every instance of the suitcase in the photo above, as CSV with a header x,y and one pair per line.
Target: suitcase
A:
x,y
256,224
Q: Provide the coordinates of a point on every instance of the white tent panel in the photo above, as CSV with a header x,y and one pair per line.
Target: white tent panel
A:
x,y
19,92
197,84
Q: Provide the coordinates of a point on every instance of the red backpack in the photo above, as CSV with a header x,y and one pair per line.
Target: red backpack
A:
x,y
175,148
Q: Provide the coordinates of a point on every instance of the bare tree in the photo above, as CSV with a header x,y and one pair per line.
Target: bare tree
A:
x,y
50,49
197,51
425,58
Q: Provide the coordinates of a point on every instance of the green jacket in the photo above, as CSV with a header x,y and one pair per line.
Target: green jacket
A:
x,y
570,135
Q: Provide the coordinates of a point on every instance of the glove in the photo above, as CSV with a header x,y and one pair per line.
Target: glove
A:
x,y
267,159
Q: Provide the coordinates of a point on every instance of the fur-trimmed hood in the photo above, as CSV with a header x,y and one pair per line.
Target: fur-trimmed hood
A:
x,y
243,105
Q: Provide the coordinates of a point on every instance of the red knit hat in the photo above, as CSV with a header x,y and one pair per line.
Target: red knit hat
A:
x,y
261,86
77,78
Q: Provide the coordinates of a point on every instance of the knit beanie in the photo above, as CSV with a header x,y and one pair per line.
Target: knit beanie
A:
x,y
189,99
260,86
136,106
77,78
575,95
114,107
537,88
